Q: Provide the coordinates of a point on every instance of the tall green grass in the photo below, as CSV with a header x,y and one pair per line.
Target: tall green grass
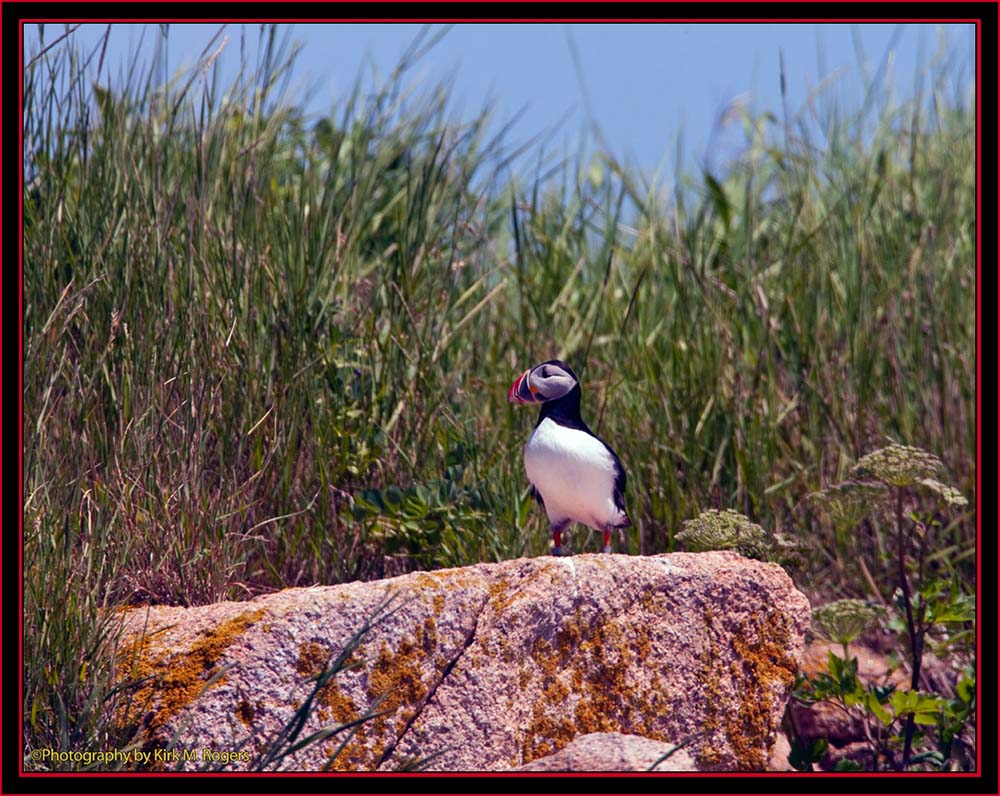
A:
x,y
263,350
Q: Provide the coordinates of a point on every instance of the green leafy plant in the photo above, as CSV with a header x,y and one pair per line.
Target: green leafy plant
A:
x,y
924,607
422,524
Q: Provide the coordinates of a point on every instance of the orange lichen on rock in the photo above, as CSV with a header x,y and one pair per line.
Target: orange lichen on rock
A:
x,y
444,579
312,660
767,669
396,689
589,673
397,678
340,709
246,712
501,595
175,678
762,670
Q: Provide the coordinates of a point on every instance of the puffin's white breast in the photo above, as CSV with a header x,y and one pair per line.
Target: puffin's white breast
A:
x,y
575,474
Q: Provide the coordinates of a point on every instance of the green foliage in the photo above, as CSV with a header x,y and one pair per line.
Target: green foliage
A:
x,y
424,522
71,632
843,621
848,503
906,728
724,530
802,755
886,711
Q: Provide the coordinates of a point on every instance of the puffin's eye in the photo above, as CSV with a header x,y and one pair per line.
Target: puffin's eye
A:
x,y
545,373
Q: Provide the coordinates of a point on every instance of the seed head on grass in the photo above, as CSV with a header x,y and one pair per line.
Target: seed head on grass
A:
x,y
843,621
724,530
898,465
906,466
949,494
848,503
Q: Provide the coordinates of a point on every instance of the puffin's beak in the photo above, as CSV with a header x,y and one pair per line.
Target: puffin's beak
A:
x,y
520,392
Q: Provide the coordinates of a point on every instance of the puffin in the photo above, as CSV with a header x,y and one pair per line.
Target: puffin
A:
x,y
574,474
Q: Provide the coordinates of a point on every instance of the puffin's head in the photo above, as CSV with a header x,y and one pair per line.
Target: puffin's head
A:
x,y
545,382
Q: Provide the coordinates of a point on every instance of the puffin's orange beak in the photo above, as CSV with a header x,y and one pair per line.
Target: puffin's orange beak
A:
x,y
521,391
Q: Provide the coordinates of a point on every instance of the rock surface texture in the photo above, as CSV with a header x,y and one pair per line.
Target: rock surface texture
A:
x,y
612,751
483,668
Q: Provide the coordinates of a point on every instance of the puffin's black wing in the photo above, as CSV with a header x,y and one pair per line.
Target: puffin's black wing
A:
x,y
621,479
536,494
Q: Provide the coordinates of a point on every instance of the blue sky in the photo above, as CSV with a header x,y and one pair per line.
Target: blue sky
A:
x,y
642,84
